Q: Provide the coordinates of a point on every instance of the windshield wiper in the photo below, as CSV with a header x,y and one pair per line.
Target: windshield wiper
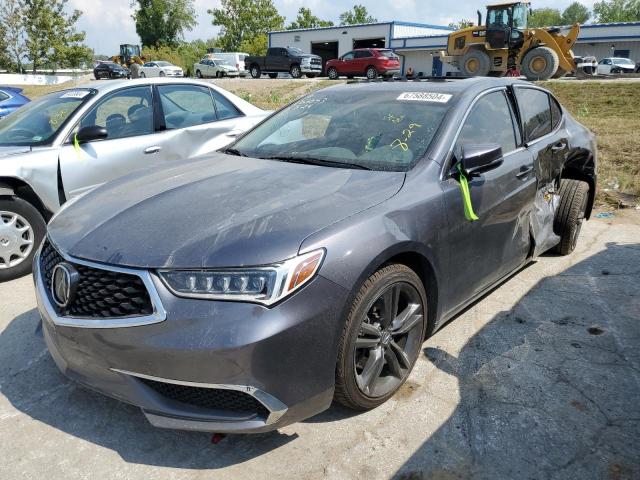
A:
x,y
234,151
316,161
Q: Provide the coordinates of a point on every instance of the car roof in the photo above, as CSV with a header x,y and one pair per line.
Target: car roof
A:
x,y
439,85
110,85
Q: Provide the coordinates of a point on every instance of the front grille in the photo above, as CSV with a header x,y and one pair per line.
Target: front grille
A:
x,y
211,398
316,61
99,293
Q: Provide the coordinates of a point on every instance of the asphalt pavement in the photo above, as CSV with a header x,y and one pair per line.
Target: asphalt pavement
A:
x,y
539,379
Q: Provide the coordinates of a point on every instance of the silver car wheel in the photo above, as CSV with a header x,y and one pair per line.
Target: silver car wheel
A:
x,y
16,239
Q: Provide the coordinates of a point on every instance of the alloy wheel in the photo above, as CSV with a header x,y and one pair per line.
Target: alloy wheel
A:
x,y
16,239
371,73
389,340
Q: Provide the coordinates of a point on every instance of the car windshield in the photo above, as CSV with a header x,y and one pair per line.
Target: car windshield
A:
x,y
164,64
623,61
38,122
350,128
295,50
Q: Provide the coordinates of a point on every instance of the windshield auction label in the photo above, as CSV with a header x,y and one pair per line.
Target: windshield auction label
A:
x,y
425,97
75,94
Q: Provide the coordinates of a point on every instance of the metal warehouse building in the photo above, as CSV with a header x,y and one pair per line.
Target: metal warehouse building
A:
x,y
419,44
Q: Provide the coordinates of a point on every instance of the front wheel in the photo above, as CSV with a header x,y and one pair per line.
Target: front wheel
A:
x,y
162,74
382,338
540,63
295,71
22,228
142,75
574,196
198,74
255,71
333,74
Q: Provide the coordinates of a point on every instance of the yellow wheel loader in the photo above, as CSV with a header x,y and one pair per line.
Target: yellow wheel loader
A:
x,y
129,55
505,46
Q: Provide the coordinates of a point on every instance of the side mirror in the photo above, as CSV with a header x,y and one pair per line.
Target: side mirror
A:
x,y
477,159
91,132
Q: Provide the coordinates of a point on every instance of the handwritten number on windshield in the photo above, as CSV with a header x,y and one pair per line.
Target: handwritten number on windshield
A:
x,y
402,142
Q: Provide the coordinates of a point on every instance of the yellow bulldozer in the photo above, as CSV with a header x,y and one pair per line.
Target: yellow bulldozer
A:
x,y
505,46
129,55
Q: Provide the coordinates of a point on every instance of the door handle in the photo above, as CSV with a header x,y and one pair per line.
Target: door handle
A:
x,y
234,133
152,150
559,147
524,172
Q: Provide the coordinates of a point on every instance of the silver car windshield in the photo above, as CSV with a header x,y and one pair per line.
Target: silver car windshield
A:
x,y
38,122
378,131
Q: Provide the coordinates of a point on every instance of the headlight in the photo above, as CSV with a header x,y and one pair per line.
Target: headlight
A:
x,y
266,285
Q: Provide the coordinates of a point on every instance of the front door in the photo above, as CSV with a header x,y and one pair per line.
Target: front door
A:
x,y
485,250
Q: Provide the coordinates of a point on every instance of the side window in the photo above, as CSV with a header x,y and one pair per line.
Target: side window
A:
x,y
362,54
556,113
126,113
224,107
348,56
536,112
490,121
186,105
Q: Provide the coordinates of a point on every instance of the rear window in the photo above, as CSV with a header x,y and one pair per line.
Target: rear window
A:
x,y
377,130
536,112
387,54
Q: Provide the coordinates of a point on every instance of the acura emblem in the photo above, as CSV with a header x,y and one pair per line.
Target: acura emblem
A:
x,y
64,281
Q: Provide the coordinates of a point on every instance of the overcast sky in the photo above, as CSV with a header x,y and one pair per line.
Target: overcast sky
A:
x,y
108,23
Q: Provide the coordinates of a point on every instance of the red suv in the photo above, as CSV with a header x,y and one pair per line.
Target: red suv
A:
x,y
369,62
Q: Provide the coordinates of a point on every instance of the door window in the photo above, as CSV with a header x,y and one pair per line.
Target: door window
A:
x,y
186,105
536,112
348,56
362,54
490,121
125,113
224,108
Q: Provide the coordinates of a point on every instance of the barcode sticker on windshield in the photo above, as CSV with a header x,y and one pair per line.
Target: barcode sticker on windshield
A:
x,y
425,97
75,94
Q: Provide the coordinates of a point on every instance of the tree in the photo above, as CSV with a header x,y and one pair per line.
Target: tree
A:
x,y
51,34
163,22
461,24
244,21
617,11
545,17
358,15
306,19
11,22
575,13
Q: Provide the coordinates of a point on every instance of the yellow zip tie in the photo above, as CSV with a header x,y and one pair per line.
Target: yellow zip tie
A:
x,y
466,197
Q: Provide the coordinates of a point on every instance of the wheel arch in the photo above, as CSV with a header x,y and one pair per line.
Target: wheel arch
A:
x,y
10,186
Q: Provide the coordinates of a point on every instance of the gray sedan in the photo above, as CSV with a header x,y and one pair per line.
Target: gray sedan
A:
x,y
68,142
309,261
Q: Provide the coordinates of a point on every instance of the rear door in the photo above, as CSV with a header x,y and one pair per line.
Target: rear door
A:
x,y
362,59
132,144
485,250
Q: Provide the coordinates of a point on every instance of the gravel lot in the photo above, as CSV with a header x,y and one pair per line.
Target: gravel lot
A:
x,y
540,379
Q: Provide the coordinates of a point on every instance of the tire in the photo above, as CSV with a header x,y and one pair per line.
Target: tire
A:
x,y
351,386
273,75
142,75
24,214
198,74
332,73
371,73
255,71
97,76
475,63
540,63
295,71
574,196
217,74
162,74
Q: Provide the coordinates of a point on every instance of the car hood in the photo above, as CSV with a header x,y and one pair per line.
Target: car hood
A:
x,y
215,211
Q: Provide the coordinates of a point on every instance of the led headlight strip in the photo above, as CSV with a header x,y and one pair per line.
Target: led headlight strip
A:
x,y
266,284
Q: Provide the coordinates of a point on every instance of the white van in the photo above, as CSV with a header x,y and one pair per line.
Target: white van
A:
x,y
235,59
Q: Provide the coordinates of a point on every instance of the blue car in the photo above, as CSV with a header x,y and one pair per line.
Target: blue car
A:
x,y
11,99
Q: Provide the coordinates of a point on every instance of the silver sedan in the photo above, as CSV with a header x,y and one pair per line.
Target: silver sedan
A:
x,y
69,142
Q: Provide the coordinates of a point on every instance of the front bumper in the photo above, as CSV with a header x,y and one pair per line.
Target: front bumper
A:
x,y
316,69
283,357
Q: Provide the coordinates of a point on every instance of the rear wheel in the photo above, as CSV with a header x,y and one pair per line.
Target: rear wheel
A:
x,y
295,71
255,71
574,196
22,228
540,63
371,73
198,74
475,63
382,338
332,73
